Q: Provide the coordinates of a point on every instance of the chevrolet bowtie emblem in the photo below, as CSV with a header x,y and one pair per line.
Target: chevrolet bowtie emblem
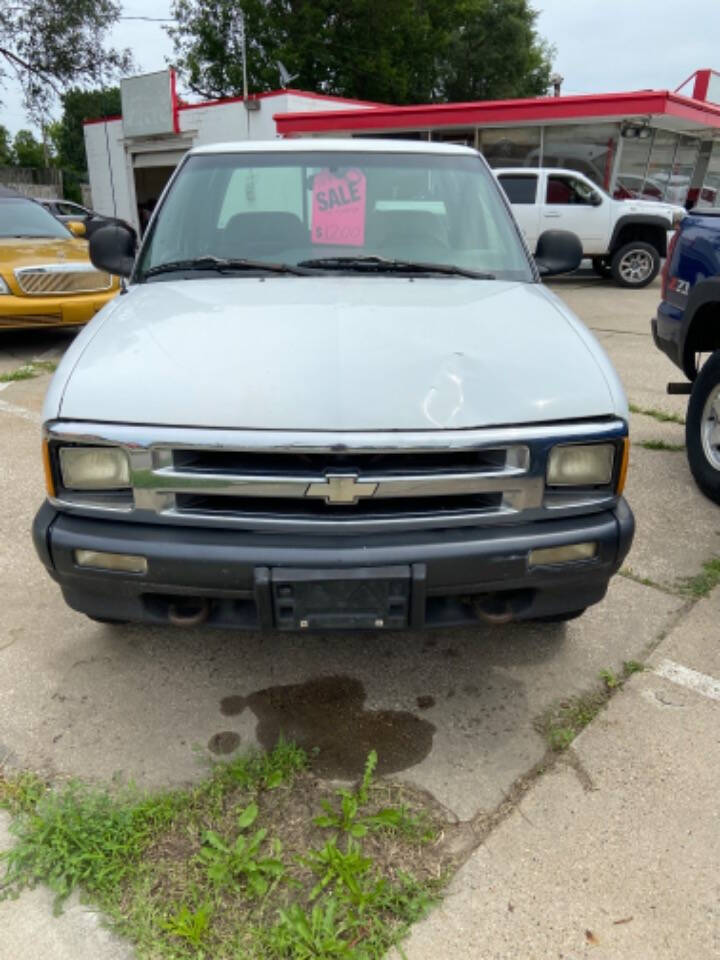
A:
x,y
341,488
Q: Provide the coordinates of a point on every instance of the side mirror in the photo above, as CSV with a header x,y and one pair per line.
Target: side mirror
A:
x,y
112,248
596,199
76,228
558,251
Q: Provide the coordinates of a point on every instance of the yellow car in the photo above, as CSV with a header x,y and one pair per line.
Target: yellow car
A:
x,y
46,278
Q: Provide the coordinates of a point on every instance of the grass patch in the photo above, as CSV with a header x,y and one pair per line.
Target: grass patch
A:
x,y
661,445
29,371
660,415
564,721
261,861
703,583
20,792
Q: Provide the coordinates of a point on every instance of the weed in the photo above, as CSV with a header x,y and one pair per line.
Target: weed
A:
x,y
28,371
659,415
193,874
189,925
239,865
562,723
630,574
661,445
20,793
391,819
703,583
78,836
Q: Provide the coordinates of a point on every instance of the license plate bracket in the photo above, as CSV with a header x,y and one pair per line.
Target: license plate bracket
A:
x,y
369,598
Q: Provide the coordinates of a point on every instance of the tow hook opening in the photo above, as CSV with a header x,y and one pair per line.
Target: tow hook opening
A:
x,y
499,608
188,611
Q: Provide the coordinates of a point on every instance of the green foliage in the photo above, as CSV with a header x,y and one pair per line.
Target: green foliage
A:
x,y
189,925
6,154
660,415
29,371
50,45
661,445
79,105
28,151
703,583
20,793
302,935
238,865
137,858
80,837
399,51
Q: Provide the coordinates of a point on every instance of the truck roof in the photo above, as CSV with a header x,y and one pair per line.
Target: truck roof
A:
x,y
320,144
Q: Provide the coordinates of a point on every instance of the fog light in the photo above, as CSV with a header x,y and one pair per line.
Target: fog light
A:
x,y
570,553
125,562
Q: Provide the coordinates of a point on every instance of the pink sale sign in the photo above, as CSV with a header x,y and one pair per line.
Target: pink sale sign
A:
x,y
338,208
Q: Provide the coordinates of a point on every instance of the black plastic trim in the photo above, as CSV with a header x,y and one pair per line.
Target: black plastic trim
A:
x,y
646,220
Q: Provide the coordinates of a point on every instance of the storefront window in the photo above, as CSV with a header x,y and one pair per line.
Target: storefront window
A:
x,y
710,195
519,147
634,158
589,148
659,171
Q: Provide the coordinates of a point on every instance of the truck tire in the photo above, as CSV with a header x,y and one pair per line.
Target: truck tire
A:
x,y
601,266
636,264
702,428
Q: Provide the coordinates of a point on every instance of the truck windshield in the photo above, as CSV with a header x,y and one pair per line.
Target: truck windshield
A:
x,y
330,211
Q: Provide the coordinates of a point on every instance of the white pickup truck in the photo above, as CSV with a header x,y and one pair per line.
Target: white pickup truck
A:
x,y
624,238
334,394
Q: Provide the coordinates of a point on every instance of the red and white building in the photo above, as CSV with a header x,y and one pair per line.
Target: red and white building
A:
x,y
652,143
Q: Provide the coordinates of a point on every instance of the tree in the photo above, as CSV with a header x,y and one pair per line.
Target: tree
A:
x,y
79,105
6,154
399,51
28,151
497,54
47,45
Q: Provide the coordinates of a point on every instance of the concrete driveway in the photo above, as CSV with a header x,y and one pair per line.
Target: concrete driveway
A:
x,y
452,711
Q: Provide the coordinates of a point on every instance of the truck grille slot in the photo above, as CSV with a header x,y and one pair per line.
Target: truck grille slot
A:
x,y
245,462
307,509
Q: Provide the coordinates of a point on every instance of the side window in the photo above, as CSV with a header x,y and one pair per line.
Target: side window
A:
x,y
519,189
68,210
563,190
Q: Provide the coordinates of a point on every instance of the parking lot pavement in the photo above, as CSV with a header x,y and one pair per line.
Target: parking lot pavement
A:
x,y
451,711
614,854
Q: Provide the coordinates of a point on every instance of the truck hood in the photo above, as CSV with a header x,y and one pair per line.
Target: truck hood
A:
x,y
655,208
335,353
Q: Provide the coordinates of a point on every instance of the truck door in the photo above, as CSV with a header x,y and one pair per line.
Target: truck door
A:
x,y
573,203
522,192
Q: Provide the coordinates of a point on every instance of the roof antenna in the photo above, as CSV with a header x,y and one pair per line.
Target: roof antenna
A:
x,y
285,78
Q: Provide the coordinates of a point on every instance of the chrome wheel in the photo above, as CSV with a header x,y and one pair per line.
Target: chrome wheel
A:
x,y
636,266
710,428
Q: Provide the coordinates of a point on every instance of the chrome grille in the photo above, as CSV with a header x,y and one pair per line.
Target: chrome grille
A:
x,y
279,481
61,278
342,488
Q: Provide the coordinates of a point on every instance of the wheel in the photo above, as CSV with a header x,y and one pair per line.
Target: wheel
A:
x,y
601,267
635,265
702,428
560,617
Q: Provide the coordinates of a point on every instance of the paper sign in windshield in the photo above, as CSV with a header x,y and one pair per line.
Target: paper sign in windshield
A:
x,y
338,208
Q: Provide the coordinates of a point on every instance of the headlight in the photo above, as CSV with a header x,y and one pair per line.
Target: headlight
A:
x,y
94,468
581,465
4,288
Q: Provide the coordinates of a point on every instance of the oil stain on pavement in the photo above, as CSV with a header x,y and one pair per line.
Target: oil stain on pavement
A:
x,y
326,716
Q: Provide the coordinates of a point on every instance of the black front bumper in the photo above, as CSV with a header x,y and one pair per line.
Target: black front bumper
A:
x,y
453,576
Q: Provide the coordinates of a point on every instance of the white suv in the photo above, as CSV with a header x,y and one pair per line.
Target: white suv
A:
x,y
625,238
335,394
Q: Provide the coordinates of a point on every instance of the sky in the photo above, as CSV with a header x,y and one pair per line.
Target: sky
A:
x,y
602,45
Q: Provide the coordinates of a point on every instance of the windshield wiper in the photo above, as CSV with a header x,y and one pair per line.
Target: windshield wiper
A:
x,y
222,265
373,264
